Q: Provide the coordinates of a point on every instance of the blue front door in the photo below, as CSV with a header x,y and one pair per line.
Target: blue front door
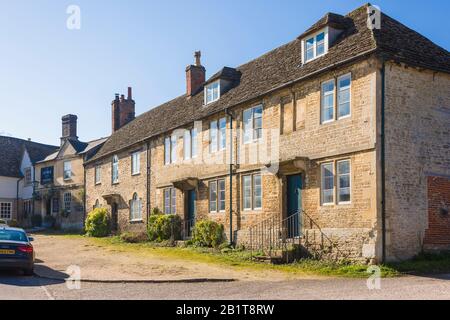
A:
x,y
192,198
294,205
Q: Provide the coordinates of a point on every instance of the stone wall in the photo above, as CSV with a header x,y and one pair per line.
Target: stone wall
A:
x,y
417,146
123,190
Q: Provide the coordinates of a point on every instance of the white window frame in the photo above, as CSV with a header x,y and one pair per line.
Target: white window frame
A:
x,y
322,184
28,176
220,199
172,200
187,145
135,163
213,136
252,192
322,99
166,150
222,134
338,90
212,191
254,135
67,170
98,174
135,208
194,143
6,210
338,183
213,87
115,169
173,148
314,37
67,201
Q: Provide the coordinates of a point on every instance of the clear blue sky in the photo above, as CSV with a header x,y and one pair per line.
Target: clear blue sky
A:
x,y
47,71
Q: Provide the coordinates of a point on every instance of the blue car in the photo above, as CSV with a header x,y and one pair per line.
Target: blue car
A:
x,y
16,250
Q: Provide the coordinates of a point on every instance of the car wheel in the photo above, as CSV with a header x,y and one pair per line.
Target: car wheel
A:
x,y
28,272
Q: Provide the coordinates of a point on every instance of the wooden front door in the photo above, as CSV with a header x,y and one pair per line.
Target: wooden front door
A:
x,y
294,205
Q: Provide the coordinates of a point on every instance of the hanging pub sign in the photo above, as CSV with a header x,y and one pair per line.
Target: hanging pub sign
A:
x,y
47,175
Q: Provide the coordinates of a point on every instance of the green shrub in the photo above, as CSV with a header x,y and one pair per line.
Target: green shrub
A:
x,y
2,221
97,223
164,227
155,211
36,220
132,237
13,223
208,233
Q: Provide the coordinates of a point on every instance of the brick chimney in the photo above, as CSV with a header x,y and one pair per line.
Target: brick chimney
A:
x,y
123,110
69,127
195,76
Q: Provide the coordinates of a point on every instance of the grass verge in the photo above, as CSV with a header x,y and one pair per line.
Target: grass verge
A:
x,y
421,264
241,259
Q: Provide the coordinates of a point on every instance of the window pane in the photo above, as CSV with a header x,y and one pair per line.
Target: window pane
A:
x,y
328,101
257,114
173,200
213,136
167,201
187,144
213,196
343,168
135,163
194,141
257,191
309,49
173,148
344,96
320,44
222,133
247,181
327,183
115,169
248,125
167,150
221,195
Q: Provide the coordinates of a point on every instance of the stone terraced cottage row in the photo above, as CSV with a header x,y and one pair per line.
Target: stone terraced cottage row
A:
x,y
347,125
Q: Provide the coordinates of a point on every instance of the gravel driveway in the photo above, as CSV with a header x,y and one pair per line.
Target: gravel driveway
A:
x,y
57,253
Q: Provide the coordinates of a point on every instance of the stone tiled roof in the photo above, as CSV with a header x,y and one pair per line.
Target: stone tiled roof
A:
x,y
282,66
81,148
11,150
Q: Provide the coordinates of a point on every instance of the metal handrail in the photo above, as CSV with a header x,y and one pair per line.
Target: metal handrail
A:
x,y
275,235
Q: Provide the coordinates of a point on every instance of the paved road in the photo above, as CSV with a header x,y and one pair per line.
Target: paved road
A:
x,y
15,286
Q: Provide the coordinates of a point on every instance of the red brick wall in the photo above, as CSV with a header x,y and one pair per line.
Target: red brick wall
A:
x,y
437,236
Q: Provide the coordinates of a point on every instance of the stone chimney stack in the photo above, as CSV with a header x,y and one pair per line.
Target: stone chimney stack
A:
x,y
69,127
195,76
123,110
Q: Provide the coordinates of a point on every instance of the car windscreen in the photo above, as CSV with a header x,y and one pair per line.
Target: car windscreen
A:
x,y
13,235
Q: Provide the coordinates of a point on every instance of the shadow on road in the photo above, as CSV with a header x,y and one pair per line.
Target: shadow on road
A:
x,y
17,278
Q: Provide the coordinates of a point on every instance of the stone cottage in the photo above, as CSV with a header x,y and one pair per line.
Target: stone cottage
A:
x,y
343,131
60,188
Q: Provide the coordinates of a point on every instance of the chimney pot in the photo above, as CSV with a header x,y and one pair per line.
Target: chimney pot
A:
x,y
123,110
198,55
195,76
130,93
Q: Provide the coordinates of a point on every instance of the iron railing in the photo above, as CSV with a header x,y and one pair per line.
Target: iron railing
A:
x,y
186,229
297,234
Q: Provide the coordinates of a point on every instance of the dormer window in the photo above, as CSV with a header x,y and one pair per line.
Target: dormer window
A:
x,y
212,92
315,45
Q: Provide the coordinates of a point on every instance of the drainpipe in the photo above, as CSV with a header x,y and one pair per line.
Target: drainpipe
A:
x,y
231,174
148,181
84,193
383,163
17,199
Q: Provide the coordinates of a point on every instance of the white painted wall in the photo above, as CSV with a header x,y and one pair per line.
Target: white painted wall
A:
x,y
26,192
8,187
